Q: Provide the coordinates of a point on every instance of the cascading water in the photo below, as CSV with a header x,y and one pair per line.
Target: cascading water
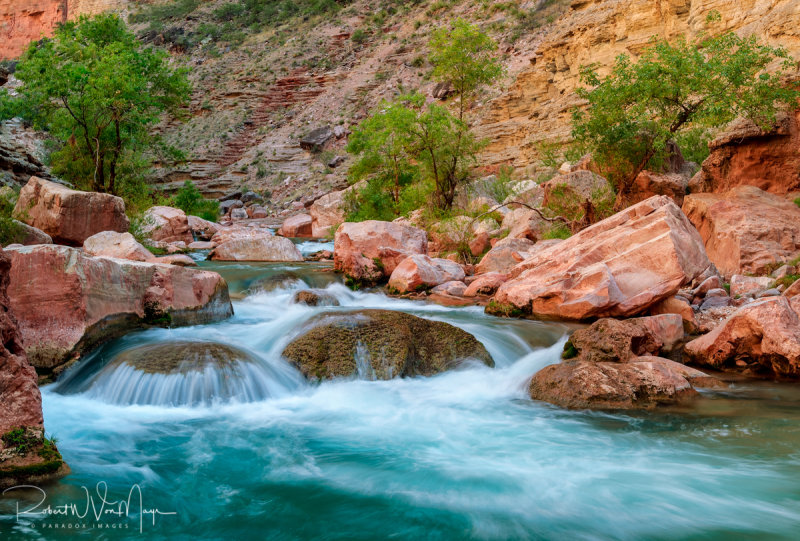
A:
x,y
465,454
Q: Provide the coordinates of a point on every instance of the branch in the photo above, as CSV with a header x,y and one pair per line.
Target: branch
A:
x,y
536,210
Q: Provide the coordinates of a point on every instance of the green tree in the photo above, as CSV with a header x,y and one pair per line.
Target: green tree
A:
x,y
98,90
675,90
191,201
465,57
383,144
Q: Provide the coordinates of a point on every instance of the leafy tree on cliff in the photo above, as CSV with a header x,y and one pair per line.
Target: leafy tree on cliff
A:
x,y
98,90
408,140
673,92
464,57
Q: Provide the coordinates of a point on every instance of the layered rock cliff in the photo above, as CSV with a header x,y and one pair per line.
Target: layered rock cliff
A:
x,y
23,21
536,107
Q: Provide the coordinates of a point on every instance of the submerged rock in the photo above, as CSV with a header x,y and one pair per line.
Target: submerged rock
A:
x,y
180,357
315,297
380,344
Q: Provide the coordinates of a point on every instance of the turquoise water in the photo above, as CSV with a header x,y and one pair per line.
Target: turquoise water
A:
x,y
462,455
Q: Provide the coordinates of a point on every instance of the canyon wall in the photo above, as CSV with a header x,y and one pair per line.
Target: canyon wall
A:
x,y
23,21
536,107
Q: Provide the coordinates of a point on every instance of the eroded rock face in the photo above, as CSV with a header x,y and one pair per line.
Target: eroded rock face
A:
x,y
419,271
370,251
69,216
298,225
257,249
167,224
620,266
744,155
21,410
597,31
380,344
505,255
67,302
761,338
641,383
745,230
113,244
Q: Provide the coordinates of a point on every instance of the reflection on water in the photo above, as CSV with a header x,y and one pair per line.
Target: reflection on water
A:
x,y
461,455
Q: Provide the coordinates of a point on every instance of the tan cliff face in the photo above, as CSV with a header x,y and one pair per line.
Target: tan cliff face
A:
x,y
24,21
536,108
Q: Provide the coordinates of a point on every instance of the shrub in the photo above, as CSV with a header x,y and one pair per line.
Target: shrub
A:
x,y
191,201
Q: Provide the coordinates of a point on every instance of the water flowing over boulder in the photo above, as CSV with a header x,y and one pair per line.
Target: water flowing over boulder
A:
x,y
745,230
113,244
315,297
69,216
419,271
368,252
380,344
618,267
263,248
761,338
167,224
67,302
298,225
21,411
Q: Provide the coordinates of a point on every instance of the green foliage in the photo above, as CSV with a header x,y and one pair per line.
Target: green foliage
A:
x,y
97,90
191,201
557,231
407,142
570,351
10,231
674,89
498,188
797,201
359,36
465,57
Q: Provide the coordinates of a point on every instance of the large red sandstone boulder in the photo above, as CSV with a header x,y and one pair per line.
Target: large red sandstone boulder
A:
x,y
298,225
67,302
640,383
745,229
370,251
746,155
69,216
485,284
264,248
620,266
419,271
240,231
761,338
113,244
649,183
167,224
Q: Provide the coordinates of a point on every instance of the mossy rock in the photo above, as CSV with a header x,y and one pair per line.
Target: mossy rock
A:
x,y
388,344
180,357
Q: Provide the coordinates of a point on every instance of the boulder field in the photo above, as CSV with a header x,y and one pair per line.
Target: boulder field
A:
x,y
66,302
